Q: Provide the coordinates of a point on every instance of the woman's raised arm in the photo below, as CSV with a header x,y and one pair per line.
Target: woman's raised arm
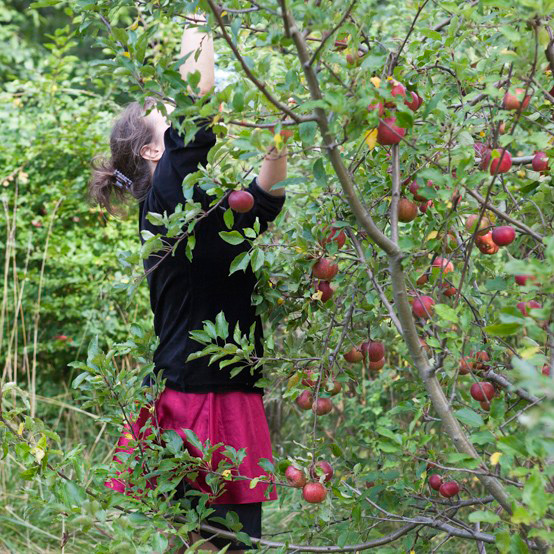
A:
x,y
194,39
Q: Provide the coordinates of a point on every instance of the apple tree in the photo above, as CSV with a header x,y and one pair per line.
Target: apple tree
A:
x,y
406,287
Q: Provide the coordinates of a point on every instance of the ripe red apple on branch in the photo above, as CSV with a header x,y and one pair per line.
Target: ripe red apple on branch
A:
x,y
354,355
471,224
326,290
321,467
388,133
305,400
322,406
376,366
407,211
435,482
374,350
501,161
325,269
314,493
336,235
443,264
423,307
415,102
540,162
295,477
241,201
522,279
504,235
482,391
516,100
485,244
525,307
449,489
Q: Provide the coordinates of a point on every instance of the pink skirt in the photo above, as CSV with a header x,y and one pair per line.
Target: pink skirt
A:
x,y
234,418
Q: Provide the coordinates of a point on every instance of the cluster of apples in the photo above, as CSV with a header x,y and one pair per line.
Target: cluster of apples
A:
x,y
388,132
482,391
325,269
488,241
322,405
313,491
370,351
448,489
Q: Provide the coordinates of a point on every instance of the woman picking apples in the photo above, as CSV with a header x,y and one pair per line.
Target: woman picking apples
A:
x,y
149,160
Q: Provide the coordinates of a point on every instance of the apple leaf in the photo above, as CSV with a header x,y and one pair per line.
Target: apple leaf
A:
x,y
484,516
469,417
229,218
232,237
446,312
502,329
240,262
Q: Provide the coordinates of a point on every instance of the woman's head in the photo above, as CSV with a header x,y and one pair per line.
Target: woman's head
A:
x,y
136,144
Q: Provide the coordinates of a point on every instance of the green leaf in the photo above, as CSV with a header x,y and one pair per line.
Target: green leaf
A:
x,y
232,237
229,218
193,439
240,262
430,33
502,329
319,172
173,441
446,312
221,325
307,132
483,516
257,259
469,417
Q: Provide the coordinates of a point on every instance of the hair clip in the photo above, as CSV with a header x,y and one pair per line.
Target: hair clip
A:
x,y
121,180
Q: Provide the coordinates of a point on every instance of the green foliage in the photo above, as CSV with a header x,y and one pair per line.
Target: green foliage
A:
x,y
385,427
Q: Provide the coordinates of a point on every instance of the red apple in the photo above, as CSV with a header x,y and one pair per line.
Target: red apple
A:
x,y
305,400
322,406
326,290
379,106
503,166
522,279
336,235
311,378
449,489
334,387
376,366
503,235
446,265
295,477
415,103
485,244
482,391
546,370
422,279
397,89
448,290
512,101
423,307
407,211
388,133
523,307
471,223
321,468
480,357
435,482
466,365
241,201
485,405
540,162
414,187
314,493
375,350
353,355
324,269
